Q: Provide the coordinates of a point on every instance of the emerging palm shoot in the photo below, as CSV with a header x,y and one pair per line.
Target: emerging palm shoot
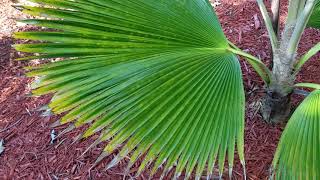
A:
x,y
159,78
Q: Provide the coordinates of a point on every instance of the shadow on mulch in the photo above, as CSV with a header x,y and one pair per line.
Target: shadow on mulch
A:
x,y
29,155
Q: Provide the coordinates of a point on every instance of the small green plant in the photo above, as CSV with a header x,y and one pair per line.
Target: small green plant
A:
x,y
159,77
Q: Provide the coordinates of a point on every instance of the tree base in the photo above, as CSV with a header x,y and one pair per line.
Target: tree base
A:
x,y
276,107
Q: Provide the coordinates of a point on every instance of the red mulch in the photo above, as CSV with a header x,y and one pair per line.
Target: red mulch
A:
x,y
29,154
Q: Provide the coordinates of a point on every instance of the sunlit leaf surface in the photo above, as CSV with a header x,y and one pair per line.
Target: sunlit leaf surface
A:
x,y
298,153
153,76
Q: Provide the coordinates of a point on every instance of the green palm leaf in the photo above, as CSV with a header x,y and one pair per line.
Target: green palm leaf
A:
x,y
315,16
308,85
153,76
297,156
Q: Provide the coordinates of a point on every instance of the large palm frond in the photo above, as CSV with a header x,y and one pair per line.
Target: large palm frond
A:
x,y
153,76
297,156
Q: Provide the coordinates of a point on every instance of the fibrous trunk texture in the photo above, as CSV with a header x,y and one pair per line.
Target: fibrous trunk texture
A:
x,y
276,106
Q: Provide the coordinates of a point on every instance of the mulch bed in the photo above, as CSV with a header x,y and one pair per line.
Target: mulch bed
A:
x,y
30,155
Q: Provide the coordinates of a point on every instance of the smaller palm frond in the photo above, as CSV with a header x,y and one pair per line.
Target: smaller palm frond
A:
x,y
297,156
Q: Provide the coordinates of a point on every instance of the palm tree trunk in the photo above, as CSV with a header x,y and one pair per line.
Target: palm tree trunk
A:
x,y
276,104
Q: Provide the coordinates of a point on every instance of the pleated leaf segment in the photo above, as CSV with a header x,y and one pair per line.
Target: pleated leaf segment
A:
x,y
154,77
314,20
297,156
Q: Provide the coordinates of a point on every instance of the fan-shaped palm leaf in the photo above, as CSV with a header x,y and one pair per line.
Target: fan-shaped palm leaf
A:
x,y
155,76
297,156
